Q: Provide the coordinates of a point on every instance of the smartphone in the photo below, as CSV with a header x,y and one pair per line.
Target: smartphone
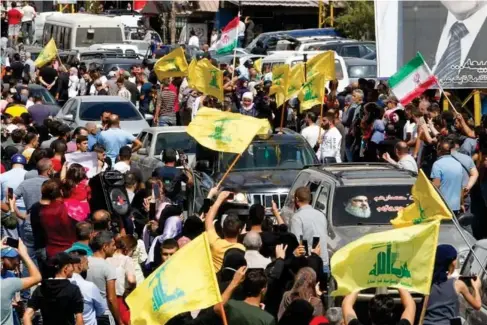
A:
x,y
14,243
300,239
157,190
456,321
468,279
10,193
316,241
231,196
305,244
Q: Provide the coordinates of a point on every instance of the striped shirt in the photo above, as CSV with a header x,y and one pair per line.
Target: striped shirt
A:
x,y
165,100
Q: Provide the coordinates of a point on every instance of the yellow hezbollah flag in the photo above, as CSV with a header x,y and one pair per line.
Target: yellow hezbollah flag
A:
x,y
186,282
258,65
191,67
48,53
296,80
312,92
428,205
173,64
400,258
205,77
224,131
280,80
323,63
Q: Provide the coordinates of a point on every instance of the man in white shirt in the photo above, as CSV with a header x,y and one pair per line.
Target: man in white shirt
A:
x,y
193,40
331,140
460,41
241,33
27,23
406,161
311,132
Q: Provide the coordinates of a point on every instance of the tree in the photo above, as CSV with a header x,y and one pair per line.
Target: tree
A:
x,y
357,20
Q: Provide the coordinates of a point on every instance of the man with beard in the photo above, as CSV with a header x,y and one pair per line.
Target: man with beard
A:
x,y
330,140
358,206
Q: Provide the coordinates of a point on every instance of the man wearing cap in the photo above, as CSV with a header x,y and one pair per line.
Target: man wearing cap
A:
x,y
10,284
59,301
12,180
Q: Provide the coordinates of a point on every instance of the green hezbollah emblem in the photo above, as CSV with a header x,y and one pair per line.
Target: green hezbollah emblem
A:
x,y
309,94
422,216
172,64
218,132
384,264
214,81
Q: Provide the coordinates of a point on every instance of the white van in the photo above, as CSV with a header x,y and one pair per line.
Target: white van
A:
x,y
347,70
80,31
39,22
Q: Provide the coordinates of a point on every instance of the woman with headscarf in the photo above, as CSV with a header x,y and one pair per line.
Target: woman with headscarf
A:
x,y
233,259
299,312
73,82
304,288
443,302
247,106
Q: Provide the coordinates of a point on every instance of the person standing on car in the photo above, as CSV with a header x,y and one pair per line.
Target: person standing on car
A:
x,y
27,23
443,303
308,222
166,99
14,16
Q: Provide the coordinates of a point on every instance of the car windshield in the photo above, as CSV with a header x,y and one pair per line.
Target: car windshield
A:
x,y
362,71
91,111
121,66
85,36
175,140
46,95
271,155
356,205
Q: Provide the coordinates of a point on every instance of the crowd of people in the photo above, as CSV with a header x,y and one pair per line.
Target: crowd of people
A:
x,y
83,262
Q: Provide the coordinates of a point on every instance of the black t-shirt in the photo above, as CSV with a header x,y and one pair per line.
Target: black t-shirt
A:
x,y
171,178
37,229
17,70
401,322
58,300
48,74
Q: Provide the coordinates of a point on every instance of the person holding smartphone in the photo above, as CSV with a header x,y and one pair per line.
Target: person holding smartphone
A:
x,y
10,284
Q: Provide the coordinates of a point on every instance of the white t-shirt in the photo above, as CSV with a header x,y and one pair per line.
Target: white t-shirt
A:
x,y
330,145
408,163
194,41
29,13
241,29
121,167
410,128
311,133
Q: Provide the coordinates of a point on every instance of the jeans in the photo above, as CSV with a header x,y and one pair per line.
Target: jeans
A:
x,y
27,32
241,40
167,120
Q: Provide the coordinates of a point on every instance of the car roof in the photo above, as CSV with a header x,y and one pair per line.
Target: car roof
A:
x,y
482,243
96,99
165,129
118,60
346,173
35,86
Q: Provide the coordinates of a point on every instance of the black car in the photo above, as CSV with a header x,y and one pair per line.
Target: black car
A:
x,y
107,64
347,48
264,173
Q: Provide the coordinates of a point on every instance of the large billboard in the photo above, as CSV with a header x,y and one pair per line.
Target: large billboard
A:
x,y
451,36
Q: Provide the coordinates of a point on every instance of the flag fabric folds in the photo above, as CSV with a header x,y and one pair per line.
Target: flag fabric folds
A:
x,y
400,258
258,65
186,282
296,80
312,92
427,206
323,63
280,80
48,53
173,64
205,77
224,131
413,79
228,40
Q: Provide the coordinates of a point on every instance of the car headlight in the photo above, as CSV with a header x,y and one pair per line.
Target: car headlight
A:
x,y
240,198
462,257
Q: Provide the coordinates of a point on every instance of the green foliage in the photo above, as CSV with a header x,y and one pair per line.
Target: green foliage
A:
x,y
356,20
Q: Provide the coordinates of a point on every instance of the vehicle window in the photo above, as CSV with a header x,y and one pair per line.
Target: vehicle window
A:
x,y
46,95
301,180
47,32
350,51
101,35
123,66
353,205
338,70
322,200
364,50
91,111
265,155
178,141
370,47
141,136
362,71
327,47
148,141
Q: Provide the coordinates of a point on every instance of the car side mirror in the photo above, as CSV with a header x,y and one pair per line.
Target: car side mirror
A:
x,y
68,117
143,152
465,219
148,117
202,165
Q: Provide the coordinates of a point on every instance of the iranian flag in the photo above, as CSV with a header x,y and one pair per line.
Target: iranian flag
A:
x,y
228,40
412,80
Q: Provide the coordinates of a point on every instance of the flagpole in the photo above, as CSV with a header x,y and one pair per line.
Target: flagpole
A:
x,y
319,130
224,316
423,310
229,169
438,83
